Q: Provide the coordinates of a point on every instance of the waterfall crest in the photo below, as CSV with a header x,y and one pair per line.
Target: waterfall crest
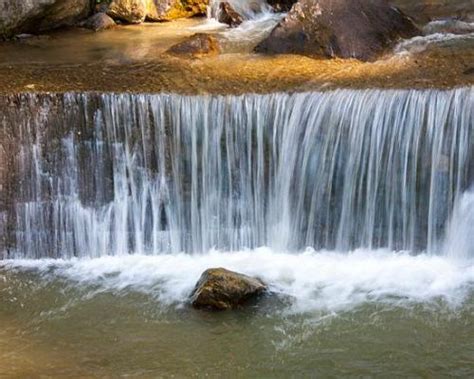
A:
x,y
90,175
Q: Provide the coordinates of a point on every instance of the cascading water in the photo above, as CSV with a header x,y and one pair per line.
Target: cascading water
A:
x,y
92,175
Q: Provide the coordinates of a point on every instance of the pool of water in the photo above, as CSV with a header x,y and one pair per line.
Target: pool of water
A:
x,y
367,313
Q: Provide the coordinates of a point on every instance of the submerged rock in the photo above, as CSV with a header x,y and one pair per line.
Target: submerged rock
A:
x,y
18,16
99,21
199,44
228,15
361,29
221,289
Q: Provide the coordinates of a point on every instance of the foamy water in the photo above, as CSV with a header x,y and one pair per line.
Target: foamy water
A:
x,y
325,281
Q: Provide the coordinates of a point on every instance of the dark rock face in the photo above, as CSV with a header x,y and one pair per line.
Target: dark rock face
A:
x,y
361,29
227,15
221,289
199,44
18,16
98,22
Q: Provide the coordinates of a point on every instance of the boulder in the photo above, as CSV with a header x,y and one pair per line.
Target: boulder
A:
x,y
199,44
362,29
18,16
221,289
227,15
129,11
98,22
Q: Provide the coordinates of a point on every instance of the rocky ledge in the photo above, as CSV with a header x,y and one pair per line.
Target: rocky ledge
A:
x,y
221,289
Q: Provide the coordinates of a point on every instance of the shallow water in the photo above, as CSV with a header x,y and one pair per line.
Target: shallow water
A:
x,y
367,313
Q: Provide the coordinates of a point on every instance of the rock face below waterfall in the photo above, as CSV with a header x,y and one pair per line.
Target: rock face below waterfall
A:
x,y
361,29
17,16
221,289
199,44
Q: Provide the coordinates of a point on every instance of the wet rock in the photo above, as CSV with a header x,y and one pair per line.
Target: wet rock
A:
x,y
199,44
281,5
98,22
221,289
425,10
37,16
129,11
227,15
362,29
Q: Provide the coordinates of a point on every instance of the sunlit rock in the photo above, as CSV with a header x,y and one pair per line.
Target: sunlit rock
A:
x,y
130,11
362,29
199,44
228,15
221,289
99,21
164,10
17,16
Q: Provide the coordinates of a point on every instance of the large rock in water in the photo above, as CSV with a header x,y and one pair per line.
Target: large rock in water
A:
x,y
35,16
361,29
221,289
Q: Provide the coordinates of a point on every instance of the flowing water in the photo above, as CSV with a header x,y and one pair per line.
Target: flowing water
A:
x,y
355,206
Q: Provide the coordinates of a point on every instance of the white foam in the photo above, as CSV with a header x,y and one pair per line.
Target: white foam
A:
x,y
326,281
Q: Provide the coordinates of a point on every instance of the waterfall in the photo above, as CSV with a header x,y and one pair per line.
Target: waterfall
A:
x,y
90,175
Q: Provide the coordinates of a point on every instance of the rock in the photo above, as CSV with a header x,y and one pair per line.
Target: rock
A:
x,y
137,11
227,15
221,289
99,21
281,5
361,29
129,11
199,44
101,7
165,10
18,16
425,10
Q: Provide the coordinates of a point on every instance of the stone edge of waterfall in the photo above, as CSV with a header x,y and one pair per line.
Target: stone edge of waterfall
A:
x,y
56,146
